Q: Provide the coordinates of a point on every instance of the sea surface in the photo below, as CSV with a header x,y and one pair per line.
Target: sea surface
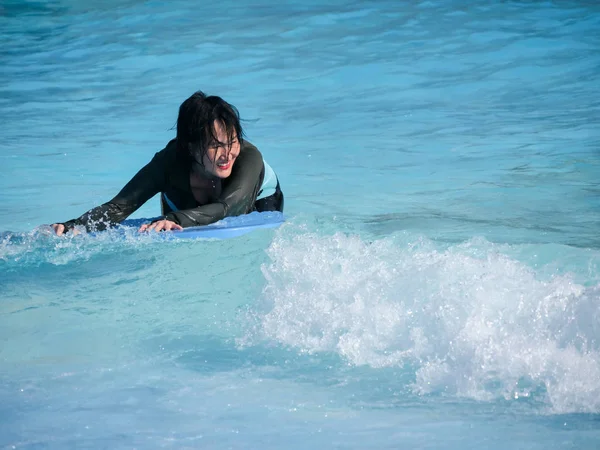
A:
x,y
436,284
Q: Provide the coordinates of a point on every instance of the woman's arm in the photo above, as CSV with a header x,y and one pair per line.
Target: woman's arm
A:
x,y
144,185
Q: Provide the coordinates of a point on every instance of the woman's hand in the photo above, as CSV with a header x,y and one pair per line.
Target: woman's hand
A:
x,y
60,229
160,225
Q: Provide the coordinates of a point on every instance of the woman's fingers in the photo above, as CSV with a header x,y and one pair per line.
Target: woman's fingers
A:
x,y
168,225
160,225
173,226
58,228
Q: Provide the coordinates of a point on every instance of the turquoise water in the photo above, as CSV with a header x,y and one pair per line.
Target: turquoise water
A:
x,y
436,285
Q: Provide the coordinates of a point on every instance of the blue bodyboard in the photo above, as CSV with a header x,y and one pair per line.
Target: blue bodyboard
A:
x,y
223,229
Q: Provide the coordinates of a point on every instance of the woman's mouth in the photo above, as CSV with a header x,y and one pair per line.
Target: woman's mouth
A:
x,y
224,165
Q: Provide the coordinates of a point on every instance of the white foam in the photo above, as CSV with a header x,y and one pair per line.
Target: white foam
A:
x,y
42,246
473,323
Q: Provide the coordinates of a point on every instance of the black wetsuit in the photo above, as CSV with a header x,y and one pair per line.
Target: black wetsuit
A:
x,y
169,174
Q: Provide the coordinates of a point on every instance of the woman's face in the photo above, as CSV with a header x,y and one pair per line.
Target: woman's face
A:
x,y
220,157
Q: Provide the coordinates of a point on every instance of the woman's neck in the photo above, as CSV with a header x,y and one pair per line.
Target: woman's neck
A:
x,y
206,189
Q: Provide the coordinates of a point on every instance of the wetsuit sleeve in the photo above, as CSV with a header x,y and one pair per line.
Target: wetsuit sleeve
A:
x,y
238,196
144,185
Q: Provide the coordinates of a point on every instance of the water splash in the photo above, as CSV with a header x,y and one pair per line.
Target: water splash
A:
x,y
473,321
42,246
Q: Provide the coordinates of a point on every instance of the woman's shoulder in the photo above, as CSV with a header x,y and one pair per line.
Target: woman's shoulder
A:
x,y
250,150
170,149
168,156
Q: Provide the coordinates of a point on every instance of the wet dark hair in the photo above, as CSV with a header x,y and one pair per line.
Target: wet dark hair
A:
x,y
196,125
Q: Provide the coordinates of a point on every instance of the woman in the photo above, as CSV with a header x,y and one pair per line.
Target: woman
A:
x,y
206,173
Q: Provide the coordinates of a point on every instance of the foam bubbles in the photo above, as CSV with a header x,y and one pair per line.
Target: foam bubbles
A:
x,y
474,324
41,245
